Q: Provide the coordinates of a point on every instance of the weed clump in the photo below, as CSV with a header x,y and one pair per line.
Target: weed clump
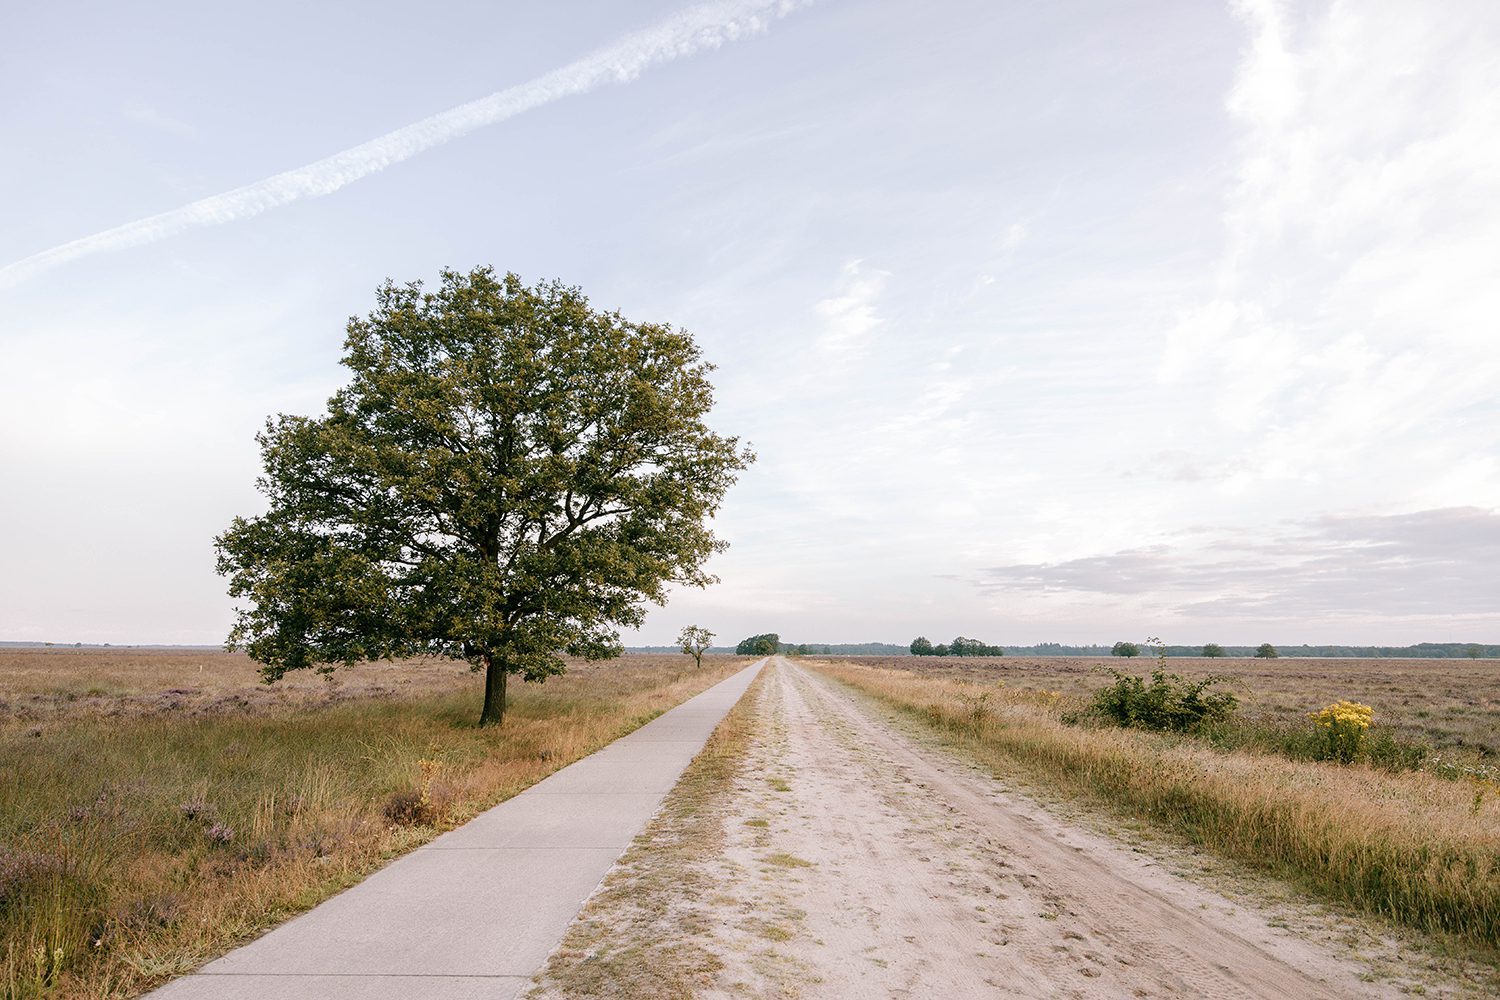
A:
x,y
416,806
1169,703
219,834
21,870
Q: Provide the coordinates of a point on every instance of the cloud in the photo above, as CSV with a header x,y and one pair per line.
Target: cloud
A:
x,y
1010,241
155,118
849,316
1352,309
1443,562
689,31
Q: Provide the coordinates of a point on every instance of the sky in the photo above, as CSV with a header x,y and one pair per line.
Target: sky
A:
x,y
1067,322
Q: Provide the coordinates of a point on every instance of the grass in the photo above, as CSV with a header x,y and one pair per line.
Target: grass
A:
x,y
782,859
1409,847
1452,705
638,936
41,684
174,811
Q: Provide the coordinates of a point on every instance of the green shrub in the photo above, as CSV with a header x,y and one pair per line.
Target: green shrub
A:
x,y
1388,752
1170,703
1381,749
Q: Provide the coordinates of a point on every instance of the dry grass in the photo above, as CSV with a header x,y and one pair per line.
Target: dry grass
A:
x,y
39,685
142,831
638,936
1452,704
1409,847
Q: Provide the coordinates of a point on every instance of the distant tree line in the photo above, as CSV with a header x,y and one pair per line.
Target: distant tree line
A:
x,y
790,649
1424,650
962,646
768,644
1212,650
1058,649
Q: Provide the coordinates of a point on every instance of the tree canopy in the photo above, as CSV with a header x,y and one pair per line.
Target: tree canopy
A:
x,y
1125,649
1266,651
922,646
1213,649
509,475
766,644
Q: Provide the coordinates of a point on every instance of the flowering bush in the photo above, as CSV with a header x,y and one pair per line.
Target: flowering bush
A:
x,y
1344,725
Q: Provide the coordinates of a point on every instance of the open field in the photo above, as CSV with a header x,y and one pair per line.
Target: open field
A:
x,y
1411,847
1453,704
60,683
155,807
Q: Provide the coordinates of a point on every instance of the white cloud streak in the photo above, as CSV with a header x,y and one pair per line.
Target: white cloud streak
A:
x,y
685,33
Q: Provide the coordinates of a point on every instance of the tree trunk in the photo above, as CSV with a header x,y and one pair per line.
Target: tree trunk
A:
x,y
493,712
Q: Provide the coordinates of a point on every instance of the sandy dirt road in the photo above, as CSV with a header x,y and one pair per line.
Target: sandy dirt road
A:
x,y
856,863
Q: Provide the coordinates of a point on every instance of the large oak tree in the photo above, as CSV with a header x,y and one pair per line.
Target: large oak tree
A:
x,y
509,475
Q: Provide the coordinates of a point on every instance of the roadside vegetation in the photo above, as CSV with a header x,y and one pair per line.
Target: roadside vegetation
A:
x,y
1340,732
153,814
1450,706
1412,845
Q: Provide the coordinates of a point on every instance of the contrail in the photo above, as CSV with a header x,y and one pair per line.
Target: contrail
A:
x,y
691,30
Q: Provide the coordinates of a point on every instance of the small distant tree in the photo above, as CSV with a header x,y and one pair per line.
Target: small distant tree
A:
x,y
1125,649
1266,651
921,646
1472,652
941,649
1213,650
695,642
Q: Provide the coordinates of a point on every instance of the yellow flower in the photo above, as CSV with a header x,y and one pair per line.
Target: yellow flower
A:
x,y
1344,713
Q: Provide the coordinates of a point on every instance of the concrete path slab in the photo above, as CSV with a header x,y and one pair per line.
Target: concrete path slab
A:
x,y
555,821
471,915
345,988
669,751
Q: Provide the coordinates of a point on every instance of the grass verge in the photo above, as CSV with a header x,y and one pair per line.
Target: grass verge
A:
x,y
134,848
1409,847
638,936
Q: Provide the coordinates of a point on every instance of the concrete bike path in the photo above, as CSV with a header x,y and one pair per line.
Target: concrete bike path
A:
x,y
471,915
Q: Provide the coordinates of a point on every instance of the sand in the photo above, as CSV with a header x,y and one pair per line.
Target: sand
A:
x,y
856,862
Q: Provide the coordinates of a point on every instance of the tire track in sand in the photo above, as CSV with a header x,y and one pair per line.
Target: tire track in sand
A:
x,y
855,863
926,880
